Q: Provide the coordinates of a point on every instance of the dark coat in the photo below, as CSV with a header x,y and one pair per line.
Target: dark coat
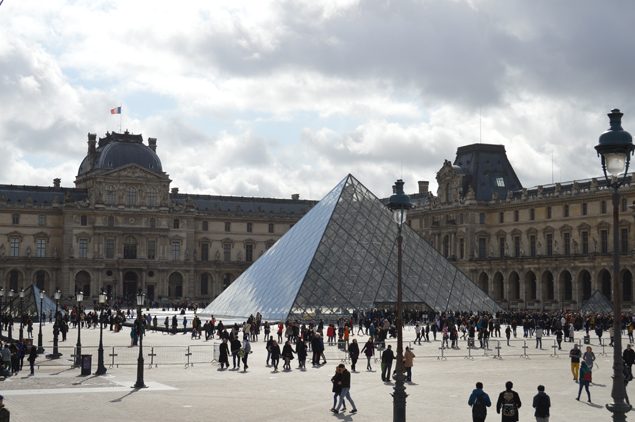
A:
x,y
353,350
300,349
542,403
387,357
32,354
275,351
224,353
287,351
505,397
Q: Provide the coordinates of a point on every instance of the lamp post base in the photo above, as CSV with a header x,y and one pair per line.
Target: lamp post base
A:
x,y
101,371
40,349
139,385
619,411
54,356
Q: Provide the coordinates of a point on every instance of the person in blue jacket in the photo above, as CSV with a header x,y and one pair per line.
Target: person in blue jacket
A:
x,y
479,401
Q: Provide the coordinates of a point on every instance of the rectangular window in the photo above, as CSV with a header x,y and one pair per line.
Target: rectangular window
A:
x,y
132,197
249,253
83,248
227,252
83,220
111,221
624,241
500,182
110,197
584,208
624,205
176,223
517,246
204,285
41,220
228,226
460,218
204,251
501,217
603,207
565,211
15,218
176,250
152,249
532,214
40,248
109,248
549,244
461,248
482,247
532,245
501,247
152,199
604,241
14,246
548,212
516,215
585,242
566,239
250,227
271,228
153,223
205,226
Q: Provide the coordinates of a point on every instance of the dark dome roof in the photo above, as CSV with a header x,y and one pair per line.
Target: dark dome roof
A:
x,y
120,149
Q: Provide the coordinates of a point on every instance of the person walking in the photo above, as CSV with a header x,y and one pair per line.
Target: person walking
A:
x,y
345,382
337,387
408,362
628,356
386,363
246,350
575,354
275,355
508,334
539,333
223,355
479,401
542,403
586,376
353,353
369,351
287,355
235,346
300,348
508,403
5,415
31,359
589,357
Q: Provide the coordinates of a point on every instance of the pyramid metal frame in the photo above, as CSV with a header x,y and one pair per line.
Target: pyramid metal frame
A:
x,y
30,303
340,257
597,303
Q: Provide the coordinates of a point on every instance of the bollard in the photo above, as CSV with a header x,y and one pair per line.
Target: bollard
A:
x,y
152,355
112,355
498,350
469,353
442,357
524,355
555,350
187,355
603,344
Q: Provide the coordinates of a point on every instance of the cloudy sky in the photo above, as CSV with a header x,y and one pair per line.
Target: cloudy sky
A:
x,y
270,98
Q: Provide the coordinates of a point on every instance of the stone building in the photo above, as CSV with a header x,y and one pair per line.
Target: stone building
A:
x,y
121,229
546,247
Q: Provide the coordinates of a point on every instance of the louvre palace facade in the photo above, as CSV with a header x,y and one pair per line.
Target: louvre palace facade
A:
x,y
122,228
543,248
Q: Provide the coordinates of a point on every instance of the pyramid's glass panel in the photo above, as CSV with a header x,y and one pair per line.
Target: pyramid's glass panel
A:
x,y
271,284
597,303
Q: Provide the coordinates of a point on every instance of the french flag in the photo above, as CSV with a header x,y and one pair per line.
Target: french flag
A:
x,y
116,110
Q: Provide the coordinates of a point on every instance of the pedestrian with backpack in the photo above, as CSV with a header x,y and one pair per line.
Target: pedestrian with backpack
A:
x,y
480,401
508,404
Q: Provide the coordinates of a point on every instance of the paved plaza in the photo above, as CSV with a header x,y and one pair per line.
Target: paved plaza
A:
x,y
200,392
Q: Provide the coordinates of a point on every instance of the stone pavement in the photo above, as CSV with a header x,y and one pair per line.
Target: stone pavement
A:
x,y
201,392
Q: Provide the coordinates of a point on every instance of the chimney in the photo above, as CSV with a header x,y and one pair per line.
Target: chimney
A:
x,y
295,196
152,143
57,182
423,186
92,141
175,191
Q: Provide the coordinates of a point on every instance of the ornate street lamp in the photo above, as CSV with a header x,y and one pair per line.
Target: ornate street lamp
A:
x,y
11,293
615,149
1,310
78,351
21,294
40,349
399,205
56,326
140,299
101,368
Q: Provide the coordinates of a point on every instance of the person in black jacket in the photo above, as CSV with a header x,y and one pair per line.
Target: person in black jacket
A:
x,y
353,352
287,355
223,356
345,383
235,348
300,348
508,404
386,363
32,357
629,356
275,355
542,403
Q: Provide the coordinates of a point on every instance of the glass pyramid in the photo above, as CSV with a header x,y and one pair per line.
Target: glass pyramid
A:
x,y
597,303
342,256
30,303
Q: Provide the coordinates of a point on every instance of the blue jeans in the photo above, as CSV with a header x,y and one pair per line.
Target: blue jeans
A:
x,y
345,394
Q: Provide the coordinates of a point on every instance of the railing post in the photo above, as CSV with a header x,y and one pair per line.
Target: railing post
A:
x,y
555,350
112,355
442,357
498,350
524,355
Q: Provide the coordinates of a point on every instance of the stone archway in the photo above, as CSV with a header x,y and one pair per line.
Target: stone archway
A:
x,y
15,279
585,285
514,286
604,280
41,280
548,290
566,286
627,286
175,285
499,288
531,288
82,283
130,286
483,282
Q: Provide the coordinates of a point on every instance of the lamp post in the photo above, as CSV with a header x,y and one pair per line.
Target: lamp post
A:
x,y
21,294
101,368
399,204
1,310
40,349
140,383
78,351
56,326
11,293
615,149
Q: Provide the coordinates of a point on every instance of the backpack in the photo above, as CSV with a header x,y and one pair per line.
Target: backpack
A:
x,y
479,410
509,406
